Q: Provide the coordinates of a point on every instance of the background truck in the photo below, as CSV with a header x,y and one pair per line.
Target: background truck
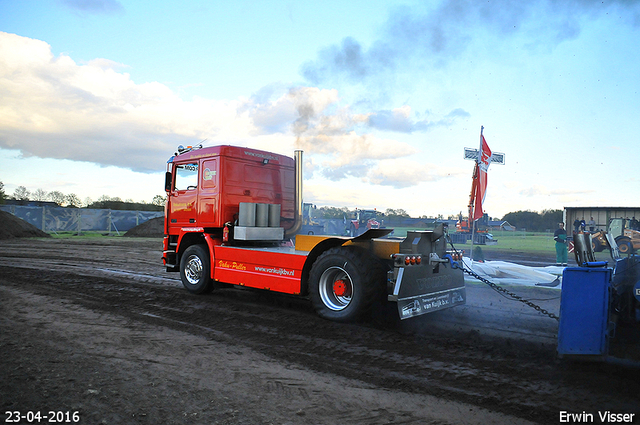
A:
x,y
627,237
465,229
310,225
230,218
362,221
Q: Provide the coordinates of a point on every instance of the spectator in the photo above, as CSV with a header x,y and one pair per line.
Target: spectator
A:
x,y
592,225
576,225
560,236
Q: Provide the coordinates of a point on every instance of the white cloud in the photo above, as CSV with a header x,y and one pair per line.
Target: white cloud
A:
x,y
326,130
56,108
53,107
406,172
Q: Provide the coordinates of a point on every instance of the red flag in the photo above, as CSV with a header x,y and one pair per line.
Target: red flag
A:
x,y
482,166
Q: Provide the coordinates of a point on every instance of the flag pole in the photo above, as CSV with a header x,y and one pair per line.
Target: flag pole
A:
x,y
473,213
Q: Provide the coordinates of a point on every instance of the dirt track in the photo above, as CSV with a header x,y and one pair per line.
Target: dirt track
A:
x,y
96,326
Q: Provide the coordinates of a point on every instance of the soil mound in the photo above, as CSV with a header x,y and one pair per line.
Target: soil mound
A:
x,y
149,229
14,227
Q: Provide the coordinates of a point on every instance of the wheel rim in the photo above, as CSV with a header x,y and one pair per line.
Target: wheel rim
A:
x,y
193,270
336,288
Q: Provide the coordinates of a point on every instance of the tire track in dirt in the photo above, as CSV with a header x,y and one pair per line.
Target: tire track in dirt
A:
x,y
512,380
120,369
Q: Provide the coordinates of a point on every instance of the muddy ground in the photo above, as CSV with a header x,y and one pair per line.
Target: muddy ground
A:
x,y
96,326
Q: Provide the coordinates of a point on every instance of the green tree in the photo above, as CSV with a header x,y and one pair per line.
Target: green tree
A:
x,y
534,221
2,194
159,200
550,219
333,212
392,214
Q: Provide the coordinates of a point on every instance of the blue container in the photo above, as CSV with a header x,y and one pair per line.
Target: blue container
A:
x,y
584,311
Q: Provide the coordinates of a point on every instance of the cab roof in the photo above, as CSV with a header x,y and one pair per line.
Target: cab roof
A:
x,y
238,152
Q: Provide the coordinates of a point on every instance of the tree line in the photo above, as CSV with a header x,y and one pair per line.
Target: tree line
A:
x,y
529,220
533,221
22,195
389,213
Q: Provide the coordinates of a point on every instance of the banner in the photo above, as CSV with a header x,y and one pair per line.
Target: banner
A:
x,y
482,166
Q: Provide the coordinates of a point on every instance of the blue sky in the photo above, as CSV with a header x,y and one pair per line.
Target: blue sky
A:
x,y
383,97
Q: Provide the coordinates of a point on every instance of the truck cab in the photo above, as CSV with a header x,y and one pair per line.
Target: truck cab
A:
x,y
233,215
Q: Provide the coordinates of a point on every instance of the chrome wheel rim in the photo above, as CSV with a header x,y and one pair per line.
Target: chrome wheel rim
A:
x,y
336,288
193,270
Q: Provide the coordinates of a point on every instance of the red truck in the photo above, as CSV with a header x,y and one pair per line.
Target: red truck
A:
x,y
232,215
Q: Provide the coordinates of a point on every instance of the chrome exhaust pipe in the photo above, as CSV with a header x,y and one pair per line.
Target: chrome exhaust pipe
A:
x,y
297,224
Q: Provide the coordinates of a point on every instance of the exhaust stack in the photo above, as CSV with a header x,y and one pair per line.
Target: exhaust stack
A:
x,y
297,224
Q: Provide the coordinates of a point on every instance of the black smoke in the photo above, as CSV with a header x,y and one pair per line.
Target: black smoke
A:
x,y
413,37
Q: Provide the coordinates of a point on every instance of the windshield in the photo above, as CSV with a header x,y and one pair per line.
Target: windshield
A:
x,y
615,227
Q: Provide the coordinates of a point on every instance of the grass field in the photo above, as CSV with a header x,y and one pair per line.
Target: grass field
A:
x,y
522,241
511,241
515,241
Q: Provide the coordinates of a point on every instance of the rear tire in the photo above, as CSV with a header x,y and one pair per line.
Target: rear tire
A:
x,y
195,270
344,283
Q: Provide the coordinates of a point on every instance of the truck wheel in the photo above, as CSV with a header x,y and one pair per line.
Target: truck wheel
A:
x,y
195,270
344,283
624,245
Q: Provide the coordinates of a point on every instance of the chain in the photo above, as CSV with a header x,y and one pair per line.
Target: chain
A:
x,y
500,289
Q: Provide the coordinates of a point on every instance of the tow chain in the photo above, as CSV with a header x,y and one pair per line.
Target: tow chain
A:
x,y
498,288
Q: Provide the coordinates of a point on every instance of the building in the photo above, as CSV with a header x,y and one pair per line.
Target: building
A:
x,y
601,215
495,225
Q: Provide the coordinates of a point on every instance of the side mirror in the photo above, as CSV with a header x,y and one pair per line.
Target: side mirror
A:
x,y
167,181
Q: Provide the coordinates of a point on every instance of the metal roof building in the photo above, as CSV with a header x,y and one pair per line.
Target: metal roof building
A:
x,y
601,215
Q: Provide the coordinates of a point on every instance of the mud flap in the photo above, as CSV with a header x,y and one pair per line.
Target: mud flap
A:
x,y
417,294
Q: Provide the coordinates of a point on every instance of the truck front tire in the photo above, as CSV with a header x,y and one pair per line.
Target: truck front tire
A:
x,y
195,270
344,283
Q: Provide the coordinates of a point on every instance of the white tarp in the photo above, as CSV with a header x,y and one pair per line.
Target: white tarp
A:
x,y
502,272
